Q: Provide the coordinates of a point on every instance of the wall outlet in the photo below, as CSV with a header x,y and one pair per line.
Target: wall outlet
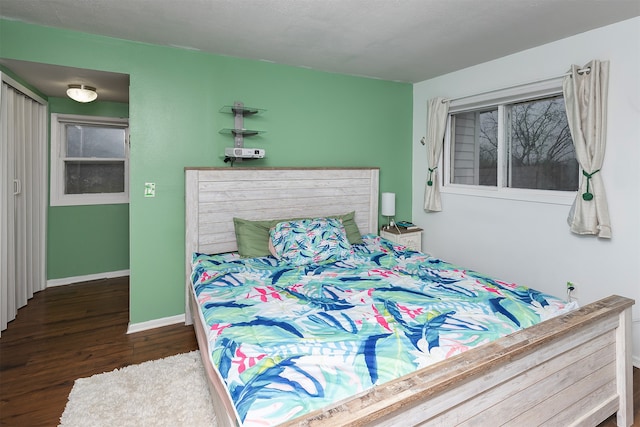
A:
x,y
149,189
571,290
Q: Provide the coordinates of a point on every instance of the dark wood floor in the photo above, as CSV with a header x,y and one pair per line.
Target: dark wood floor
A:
x,y
76,331
71,332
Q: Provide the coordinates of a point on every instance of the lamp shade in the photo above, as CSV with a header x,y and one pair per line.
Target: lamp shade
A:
x,y
82,93
388,204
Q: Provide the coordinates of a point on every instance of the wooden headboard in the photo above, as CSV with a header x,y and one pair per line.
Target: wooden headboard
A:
x,y
214,196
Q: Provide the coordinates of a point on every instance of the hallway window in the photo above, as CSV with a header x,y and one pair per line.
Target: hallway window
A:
x,y
89,160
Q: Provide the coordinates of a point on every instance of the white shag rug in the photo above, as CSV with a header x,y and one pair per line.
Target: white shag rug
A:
x,y
166,392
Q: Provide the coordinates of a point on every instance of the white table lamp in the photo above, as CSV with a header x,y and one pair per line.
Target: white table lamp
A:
x,y
389,206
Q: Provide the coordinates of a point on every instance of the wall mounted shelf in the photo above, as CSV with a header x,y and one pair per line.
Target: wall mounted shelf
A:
x,y
239,132
241,109
243,132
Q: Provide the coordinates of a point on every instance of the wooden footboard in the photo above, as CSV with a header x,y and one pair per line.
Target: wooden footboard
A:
x,y
571,370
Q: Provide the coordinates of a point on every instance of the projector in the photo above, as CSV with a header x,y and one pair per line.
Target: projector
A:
x,y
244,153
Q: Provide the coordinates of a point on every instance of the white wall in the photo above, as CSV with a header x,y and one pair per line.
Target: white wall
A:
x,y
530,243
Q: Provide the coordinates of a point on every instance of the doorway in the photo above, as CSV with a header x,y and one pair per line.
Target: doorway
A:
x,y
83,242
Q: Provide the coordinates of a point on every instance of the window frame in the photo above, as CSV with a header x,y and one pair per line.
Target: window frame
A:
x,y
498,98
57,194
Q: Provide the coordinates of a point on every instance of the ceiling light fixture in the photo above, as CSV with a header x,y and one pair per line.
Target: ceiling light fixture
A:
x,y
82,93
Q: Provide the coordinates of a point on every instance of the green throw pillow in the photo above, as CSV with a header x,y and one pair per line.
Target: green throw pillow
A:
x,y
252,237
350,226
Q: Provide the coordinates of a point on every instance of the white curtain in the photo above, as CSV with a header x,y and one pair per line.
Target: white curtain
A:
x,y
23,198
585,96
438,109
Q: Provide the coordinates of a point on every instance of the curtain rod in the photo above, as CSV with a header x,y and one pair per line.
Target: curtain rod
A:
x,y
580,71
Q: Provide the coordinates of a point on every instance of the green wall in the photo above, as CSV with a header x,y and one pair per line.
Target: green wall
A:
x,y
313,119
85,240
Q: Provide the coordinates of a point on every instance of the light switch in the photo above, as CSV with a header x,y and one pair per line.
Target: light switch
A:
x,y
149,189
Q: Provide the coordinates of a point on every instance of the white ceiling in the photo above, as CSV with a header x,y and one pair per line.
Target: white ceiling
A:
x,y
54,80
399,40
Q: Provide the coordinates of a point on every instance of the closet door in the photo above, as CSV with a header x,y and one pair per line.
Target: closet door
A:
x,y
23,197
8,187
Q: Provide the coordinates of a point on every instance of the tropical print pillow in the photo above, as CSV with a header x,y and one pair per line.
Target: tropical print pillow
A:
x,y
310,241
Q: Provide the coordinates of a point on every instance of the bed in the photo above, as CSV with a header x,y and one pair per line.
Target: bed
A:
x,y
572,369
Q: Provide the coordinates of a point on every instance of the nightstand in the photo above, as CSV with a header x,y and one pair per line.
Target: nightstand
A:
x,y
412,239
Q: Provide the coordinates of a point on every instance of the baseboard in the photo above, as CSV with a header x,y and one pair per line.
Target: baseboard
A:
x,y
156,323
87,278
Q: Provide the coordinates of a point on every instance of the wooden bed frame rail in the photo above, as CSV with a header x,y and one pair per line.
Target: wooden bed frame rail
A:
x,y
571,370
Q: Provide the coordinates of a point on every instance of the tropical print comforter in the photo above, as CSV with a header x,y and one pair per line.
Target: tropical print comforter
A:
x,y
289,340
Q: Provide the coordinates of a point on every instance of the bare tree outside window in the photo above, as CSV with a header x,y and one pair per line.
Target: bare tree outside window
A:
x,y
538,149
488,142
542,155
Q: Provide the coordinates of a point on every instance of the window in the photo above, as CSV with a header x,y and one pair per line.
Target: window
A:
x,y
512,145
89,160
